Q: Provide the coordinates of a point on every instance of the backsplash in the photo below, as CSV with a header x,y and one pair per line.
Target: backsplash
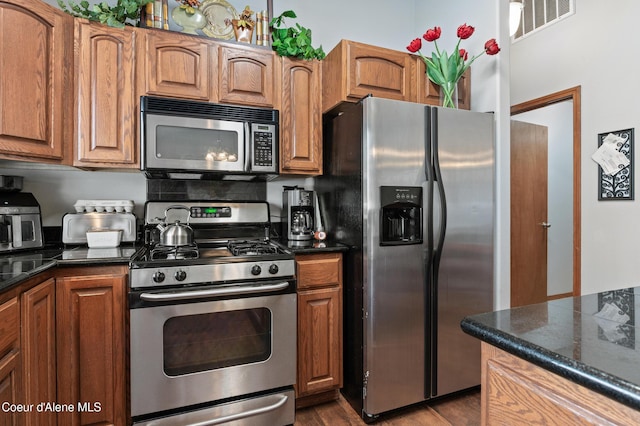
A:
x,y
57,188
174,189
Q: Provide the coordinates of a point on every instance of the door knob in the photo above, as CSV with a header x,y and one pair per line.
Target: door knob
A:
x,y
545,225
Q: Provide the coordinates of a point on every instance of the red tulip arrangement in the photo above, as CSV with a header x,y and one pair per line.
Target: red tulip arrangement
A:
x,y
445,70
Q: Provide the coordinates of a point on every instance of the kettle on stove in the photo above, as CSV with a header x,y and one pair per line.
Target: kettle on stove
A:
x,y
176,234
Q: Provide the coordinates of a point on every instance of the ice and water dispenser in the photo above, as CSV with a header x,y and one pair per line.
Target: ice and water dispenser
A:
x,y
401,215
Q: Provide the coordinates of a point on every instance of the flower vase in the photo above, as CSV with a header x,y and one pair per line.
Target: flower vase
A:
x,y
243,34
190,22
449,94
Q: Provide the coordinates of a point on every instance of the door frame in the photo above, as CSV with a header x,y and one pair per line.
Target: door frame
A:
x,y
571,94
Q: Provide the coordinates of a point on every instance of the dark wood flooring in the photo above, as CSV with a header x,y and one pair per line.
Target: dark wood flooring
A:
x,y
458,410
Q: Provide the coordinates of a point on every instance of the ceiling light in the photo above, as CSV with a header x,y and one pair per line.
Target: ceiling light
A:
x,y
515,13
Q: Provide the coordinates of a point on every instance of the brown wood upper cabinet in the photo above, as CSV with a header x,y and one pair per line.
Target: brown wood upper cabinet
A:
x,y
354,70
106,102
176,65
247,75
34,42
301,117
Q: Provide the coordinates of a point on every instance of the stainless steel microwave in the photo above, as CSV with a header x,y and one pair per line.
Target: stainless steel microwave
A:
x,y
182,137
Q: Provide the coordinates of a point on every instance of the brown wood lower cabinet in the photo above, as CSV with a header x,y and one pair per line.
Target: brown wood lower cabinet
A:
x,y
90,325
319,280
62,347
38,330
10,388
516,392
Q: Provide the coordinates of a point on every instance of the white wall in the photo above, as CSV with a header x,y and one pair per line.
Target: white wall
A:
x,y
58,188
594,49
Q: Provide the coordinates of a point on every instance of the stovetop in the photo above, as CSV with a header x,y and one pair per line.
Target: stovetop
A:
x,y
200,253
230,243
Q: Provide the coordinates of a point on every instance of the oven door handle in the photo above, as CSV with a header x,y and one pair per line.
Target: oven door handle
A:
x,y
243,415
228,291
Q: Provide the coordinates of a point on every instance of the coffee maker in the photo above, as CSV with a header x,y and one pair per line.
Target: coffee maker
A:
x,y
298,207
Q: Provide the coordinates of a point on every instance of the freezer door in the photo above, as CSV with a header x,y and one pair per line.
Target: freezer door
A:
x,y
394,274
465,150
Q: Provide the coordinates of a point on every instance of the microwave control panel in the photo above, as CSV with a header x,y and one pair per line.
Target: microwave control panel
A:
x,y
264,148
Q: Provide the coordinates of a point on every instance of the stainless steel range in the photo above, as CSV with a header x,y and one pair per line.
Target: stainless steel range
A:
x,y
212,319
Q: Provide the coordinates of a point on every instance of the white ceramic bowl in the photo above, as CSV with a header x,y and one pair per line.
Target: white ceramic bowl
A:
x,y
104,238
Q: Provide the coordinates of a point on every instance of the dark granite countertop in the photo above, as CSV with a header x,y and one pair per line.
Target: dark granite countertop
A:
x,y
311,247
19,266
592,340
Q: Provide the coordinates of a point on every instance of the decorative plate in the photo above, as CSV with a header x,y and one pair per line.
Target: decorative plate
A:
x,y
216,11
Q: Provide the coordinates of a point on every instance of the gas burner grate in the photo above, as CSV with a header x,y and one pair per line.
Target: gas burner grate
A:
x,y
160,252
251,248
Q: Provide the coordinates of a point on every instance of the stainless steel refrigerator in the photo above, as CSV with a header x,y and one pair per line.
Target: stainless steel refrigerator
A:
x,y
410,189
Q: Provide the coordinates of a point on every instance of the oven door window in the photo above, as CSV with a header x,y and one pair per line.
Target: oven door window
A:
x,y
204,342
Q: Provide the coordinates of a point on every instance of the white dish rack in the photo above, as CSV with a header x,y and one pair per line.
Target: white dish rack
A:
x,y
102,206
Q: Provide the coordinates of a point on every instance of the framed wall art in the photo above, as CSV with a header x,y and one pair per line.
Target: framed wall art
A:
x,y
619,185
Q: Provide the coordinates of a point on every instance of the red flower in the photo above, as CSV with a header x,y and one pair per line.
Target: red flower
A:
x,y
443,69
432,34
491,47
465,31
415,45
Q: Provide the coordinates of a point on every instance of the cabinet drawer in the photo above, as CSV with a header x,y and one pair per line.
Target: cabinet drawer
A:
x,y
9,325
319,270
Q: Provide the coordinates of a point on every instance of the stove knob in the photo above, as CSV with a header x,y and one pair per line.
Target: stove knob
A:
x,y
273,269
180,275
256,270
158,277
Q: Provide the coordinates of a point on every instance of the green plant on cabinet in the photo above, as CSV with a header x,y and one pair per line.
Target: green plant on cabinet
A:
x,y
114,16
293,41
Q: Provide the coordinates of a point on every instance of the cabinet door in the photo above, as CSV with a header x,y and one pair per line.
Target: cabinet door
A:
x,y
91,355
319,340
301,117
319,280
35,39
176,65
385,73
10,377
319,270
106,101
429,92
246,76
39,349
10,387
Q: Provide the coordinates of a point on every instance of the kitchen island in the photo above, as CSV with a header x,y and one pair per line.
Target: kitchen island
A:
x,y
567,361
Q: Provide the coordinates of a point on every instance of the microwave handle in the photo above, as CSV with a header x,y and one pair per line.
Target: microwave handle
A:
x,y
16,231
248,154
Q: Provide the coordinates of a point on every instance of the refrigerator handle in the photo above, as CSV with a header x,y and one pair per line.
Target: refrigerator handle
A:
x,y
431,292
429,176
435,249
443,199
